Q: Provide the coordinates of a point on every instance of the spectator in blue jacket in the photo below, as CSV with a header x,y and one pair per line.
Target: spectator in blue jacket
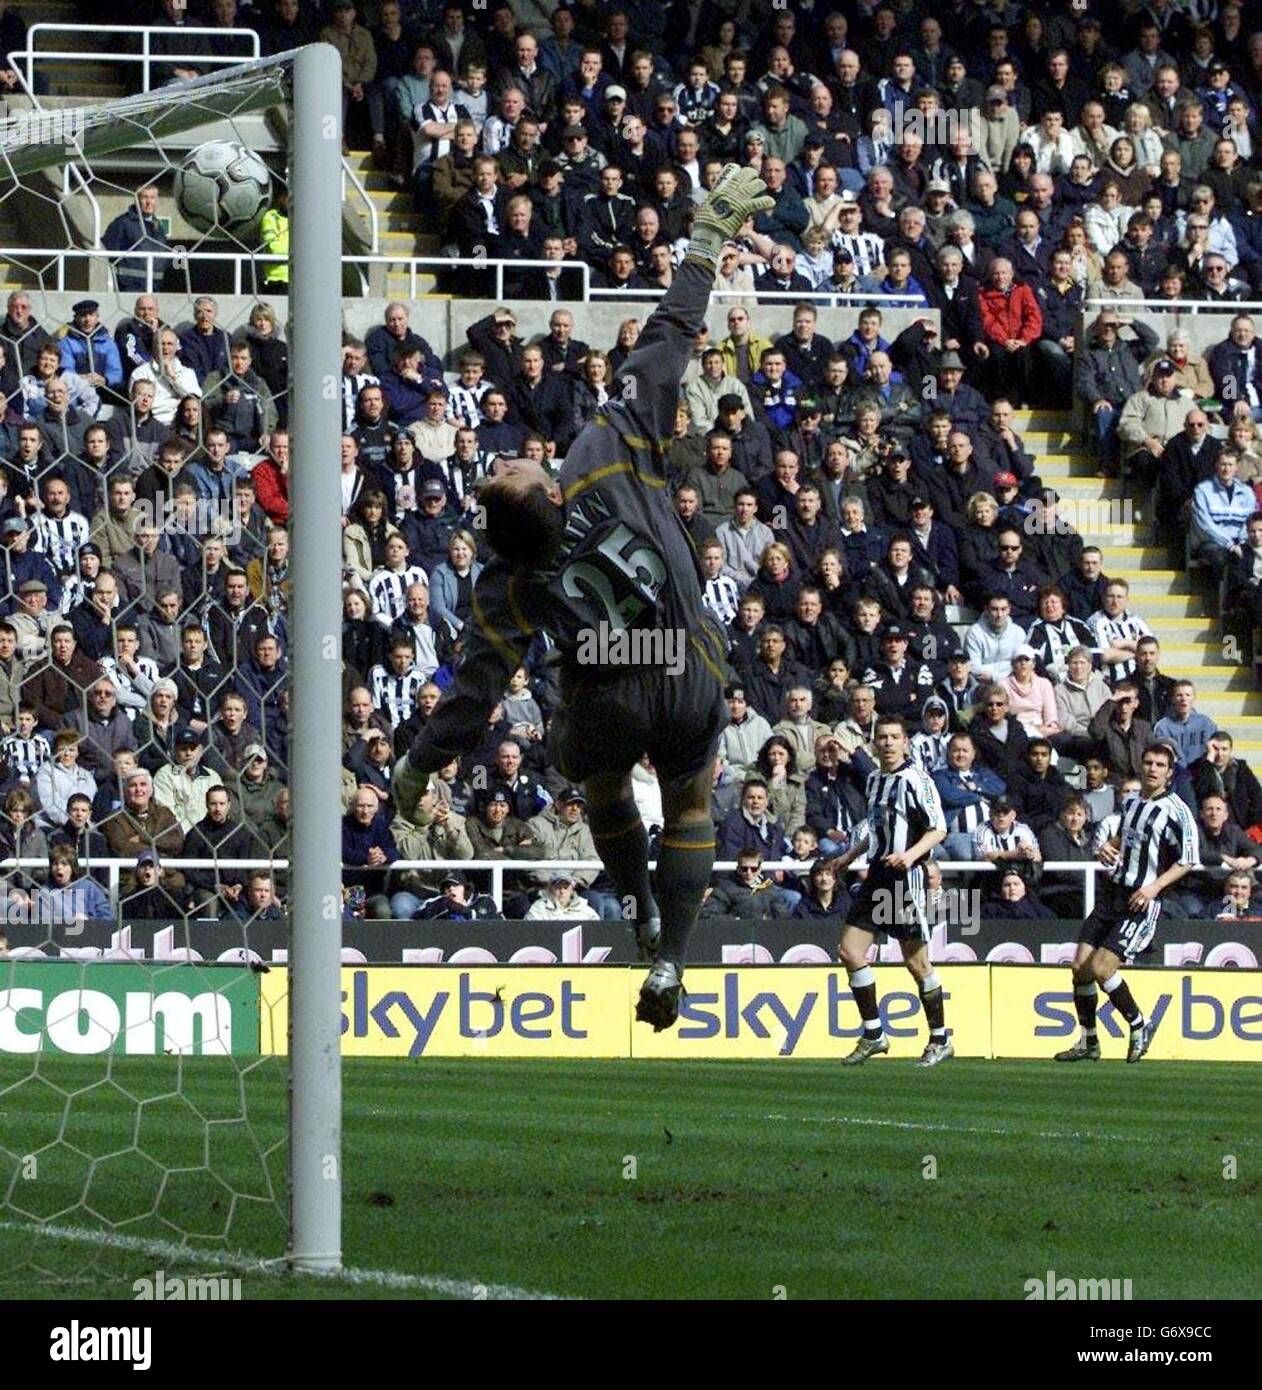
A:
x,y
89,350
137,229
1221,508
203,346
368,849
752,826
1185,727
451,583
774,389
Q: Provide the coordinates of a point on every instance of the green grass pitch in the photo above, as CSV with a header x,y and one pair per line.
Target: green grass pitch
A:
x,y
641,1179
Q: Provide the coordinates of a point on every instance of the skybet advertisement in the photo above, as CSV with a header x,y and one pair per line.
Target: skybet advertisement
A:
x,y
762,1012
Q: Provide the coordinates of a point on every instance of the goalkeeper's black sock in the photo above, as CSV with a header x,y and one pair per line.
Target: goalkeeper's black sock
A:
x,y
1085,999
685,860
863,987
623,845
934,1006
1123,1001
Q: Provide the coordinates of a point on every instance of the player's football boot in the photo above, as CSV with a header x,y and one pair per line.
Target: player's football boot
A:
x,y
936,1052
659,996
648,937
865,1048
1082,1051
1140,1039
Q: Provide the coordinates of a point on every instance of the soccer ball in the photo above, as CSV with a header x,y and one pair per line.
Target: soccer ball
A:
x,y
224,187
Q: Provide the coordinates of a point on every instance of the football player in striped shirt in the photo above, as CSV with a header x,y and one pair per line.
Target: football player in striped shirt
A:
x,y
905,823
1156,844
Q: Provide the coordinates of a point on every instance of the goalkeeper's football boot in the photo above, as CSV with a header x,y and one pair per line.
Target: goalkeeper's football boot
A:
x,y
936,1052
659,996
1141,1037
865,1048
648,938
1082,1051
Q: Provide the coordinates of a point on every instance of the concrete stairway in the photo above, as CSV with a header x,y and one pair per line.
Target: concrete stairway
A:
x,y
400,227
1191,638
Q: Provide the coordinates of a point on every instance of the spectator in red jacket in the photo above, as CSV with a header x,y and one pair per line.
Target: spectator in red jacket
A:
x,y
271,479
1011,324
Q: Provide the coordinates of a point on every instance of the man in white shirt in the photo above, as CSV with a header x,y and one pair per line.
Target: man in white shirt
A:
x,y
993,640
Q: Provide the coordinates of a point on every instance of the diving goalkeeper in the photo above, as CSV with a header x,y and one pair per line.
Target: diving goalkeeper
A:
x,y
599,554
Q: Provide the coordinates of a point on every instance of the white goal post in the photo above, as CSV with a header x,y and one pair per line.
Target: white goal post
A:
x,y
310,79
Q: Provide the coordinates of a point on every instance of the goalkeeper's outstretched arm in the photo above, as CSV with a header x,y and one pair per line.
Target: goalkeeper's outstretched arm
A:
x,y
650,378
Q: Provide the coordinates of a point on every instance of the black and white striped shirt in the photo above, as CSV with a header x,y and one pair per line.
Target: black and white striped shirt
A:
x,y
964,820
389,592
722,597
1155,834
352,385
395,696
464,403
902,806
133,691
1108,631
25,756
1052,643
988,840
59,539
867,248
929,751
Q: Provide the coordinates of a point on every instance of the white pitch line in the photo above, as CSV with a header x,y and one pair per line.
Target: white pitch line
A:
x,y
248,1264
954,1129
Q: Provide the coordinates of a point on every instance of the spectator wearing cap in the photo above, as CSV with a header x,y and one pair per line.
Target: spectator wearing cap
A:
x,y
1001,128
22,564
406,386
457,901
431,830
1107,375
89,350
901,686
934,545
368,849
181,786
560,901
148,892
967,405
1149,420
704,392
1031,697
256,786
495,833
562,832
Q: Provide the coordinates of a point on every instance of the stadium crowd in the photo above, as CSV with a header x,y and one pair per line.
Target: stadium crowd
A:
x,y
842,495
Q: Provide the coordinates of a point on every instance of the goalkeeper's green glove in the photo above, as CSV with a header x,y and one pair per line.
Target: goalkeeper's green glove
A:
x,y
739,195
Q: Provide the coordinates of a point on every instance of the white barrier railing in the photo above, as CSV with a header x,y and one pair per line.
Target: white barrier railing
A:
x,y
499,867
1177,306
836,299
54,259
147,58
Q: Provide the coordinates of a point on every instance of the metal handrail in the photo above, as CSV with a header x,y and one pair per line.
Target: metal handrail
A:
x,y
837,299
183,256
1178,306
498,868
145,56
374,217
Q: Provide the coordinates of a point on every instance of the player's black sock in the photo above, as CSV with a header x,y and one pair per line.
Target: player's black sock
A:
x,y
623,846
863,987
1123,1001
934,1006
685,859
1085,998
